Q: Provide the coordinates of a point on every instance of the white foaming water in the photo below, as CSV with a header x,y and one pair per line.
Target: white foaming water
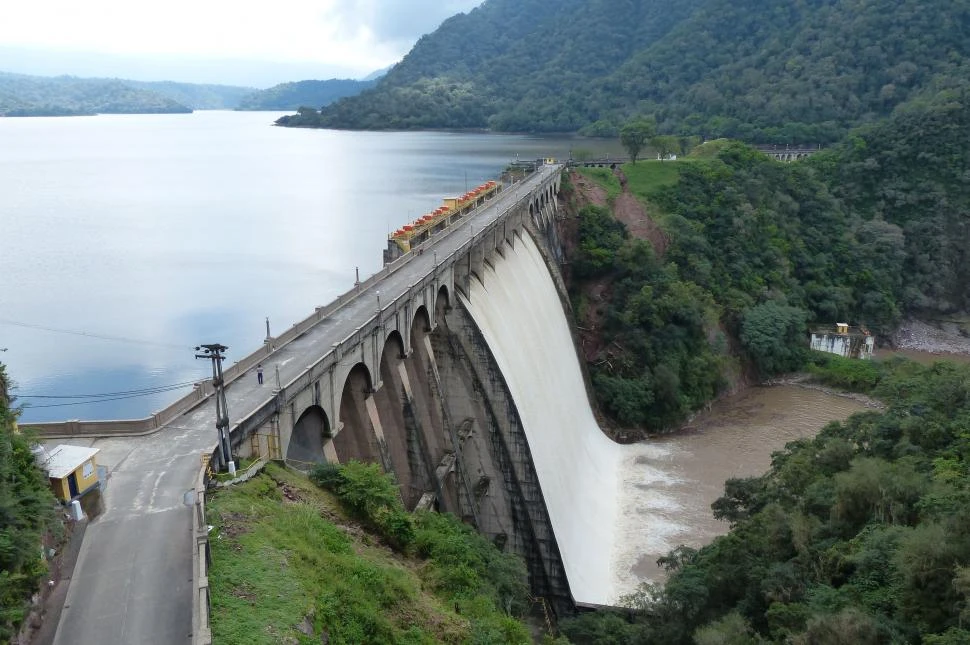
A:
x,y
613,507
519,313
616,509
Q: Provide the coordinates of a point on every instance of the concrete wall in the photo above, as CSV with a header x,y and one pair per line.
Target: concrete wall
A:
x,y
848,345
500,487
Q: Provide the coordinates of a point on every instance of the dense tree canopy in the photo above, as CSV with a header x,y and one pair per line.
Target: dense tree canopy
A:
x,y
872,229
26,512
748,69
290,96
67,96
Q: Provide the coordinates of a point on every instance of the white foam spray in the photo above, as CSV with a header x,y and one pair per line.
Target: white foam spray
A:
x,y
518,311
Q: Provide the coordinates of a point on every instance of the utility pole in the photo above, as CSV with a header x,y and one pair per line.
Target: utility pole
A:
x,y
214,352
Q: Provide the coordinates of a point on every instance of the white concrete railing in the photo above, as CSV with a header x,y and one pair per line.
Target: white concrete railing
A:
x,y
201,629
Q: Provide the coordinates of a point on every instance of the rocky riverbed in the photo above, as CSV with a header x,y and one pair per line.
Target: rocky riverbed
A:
x,y
938,338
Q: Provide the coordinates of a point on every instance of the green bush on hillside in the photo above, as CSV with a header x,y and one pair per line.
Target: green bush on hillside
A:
x,y
371,495
846,373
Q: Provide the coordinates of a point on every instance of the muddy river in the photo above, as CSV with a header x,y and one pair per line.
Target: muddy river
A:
x,y
672,481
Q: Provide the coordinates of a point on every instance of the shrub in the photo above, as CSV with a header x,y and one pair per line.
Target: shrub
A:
x,y
846,373
371,495
326,476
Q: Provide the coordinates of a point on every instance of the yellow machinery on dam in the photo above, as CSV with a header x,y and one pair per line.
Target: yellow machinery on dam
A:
x,y
410,235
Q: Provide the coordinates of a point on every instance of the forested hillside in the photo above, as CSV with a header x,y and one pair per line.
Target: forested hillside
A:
x,y
27,508
873,229
799,71
290,96
197,96
70,96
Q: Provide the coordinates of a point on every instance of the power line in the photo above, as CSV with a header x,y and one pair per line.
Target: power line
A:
x,y
116,398
146,390
120,339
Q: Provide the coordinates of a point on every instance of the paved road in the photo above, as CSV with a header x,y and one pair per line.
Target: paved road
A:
x,y
133,578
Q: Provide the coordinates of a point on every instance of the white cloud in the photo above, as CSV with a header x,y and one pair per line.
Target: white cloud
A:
x,y
354,35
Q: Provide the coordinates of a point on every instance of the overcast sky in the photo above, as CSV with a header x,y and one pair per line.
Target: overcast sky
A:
x,y
237,42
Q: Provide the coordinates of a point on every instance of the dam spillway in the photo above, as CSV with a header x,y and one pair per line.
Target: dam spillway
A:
x,y
517,308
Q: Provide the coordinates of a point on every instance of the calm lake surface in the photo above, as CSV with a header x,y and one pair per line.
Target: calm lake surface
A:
x,y
145,235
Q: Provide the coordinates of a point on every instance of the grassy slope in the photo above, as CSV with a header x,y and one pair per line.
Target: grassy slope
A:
x,y
288,567
643,179
647,176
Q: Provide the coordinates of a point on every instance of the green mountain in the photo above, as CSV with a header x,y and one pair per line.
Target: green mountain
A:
x,y
197,96
70,96
802,70
291,96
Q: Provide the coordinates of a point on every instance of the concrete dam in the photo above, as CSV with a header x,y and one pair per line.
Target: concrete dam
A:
x,y
476,402
455,368
484,413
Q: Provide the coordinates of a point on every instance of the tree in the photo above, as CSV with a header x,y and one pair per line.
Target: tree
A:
x,y
27,512
635,134
665,145
774,336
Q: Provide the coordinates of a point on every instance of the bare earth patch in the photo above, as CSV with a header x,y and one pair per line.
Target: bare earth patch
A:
x,y
590,191
234,524
629,210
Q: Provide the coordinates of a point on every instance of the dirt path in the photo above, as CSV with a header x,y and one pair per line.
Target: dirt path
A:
x,y
589,191
631,211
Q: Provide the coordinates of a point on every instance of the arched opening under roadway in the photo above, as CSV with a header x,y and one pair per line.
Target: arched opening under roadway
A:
x,y
398,421
356,439
442,304
310,435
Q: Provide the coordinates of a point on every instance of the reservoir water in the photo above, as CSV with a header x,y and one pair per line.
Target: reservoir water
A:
x,y
145,235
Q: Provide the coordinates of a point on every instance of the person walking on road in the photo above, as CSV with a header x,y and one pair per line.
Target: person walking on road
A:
x,y
259,373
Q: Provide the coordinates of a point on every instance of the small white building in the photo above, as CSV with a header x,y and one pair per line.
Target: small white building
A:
x,y
850,342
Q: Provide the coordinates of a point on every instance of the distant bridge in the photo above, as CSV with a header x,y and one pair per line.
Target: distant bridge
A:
x,y
789,153
778,153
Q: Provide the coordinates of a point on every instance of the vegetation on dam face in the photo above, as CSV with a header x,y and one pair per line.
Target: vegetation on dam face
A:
x,y
750,251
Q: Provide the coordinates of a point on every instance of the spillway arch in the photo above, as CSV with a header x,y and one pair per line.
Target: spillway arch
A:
x,y
367,395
